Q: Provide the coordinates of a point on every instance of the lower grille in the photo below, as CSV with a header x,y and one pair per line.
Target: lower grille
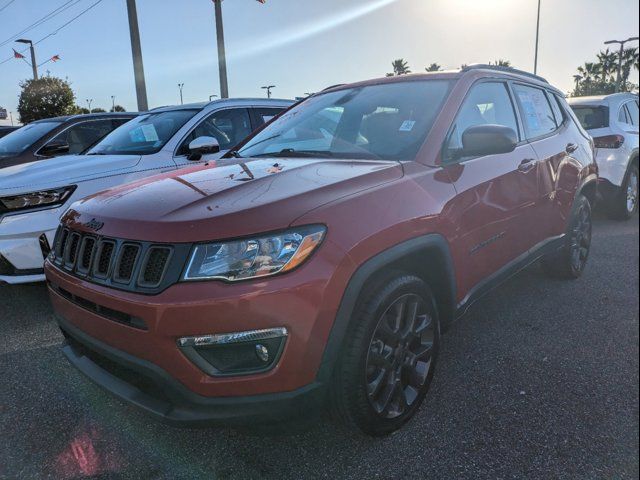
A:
x,y
108,313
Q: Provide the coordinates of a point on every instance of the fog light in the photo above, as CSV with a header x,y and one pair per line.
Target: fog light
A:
x,y
262,352
237,353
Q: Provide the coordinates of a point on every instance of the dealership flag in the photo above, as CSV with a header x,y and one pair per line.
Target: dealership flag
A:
x,y
17,54
55,58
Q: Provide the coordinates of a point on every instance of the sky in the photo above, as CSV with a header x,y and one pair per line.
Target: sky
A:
x,y
298,45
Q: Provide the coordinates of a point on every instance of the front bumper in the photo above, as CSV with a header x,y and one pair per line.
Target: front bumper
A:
x,y
152,389
24,242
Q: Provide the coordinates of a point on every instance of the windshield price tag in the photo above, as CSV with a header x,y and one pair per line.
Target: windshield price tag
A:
x,y
407,125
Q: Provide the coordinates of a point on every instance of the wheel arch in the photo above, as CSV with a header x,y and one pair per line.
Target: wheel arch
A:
x,y
428,257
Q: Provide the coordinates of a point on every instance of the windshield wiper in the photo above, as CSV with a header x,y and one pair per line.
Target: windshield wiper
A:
x,y
234,154
292,152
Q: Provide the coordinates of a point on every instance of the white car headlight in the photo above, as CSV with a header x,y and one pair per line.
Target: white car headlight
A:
x,y
33,200
254,257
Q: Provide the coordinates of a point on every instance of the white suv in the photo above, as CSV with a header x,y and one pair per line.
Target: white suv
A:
x,y
33,196
612,121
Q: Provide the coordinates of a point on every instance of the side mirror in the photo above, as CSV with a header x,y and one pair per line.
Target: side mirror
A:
x,y
203,146
55,147
488,140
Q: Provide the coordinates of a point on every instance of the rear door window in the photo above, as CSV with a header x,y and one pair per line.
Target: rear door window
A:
x,y
632,109
264,115
536,110
555,107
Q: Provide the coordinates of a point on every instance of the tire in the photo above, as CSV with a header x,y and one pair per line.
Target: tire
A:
x,y
625,204
569,262
387,360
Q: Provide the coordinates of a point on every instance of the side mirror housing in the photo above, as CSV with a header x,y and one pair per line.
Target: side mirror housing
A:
x,y
203,146
488,140
55,147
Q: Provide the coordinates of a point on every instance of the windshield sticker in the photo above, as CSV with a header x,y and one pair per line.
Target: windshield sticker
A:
x,y
407,125
149,132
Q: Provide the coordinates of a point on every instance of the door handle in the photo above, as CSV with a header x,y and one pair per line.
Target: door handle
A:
x,y
571,147
527,164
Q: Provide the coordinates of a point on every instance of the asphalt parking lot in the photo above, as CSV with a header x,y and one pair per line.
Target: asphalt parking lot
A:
x,y
538,380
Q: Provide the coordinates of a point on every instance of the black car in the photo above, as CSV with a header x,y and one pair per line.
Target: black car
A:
x,y
57,136
6,130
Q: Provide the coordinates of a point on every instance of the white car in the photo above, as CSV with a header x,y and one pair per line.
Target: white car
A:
x,y
33,196
612,121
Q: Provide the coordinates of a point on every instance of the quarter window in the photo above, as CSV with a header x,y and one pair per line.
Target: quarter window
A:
x,y
557,111
623,116
536,111
487,103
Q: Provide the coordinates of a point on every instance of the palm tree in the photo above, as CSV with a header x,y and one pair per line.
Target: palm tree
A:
x,y
400,67
434,67
577,78
629,61
589,71
501,63
608,62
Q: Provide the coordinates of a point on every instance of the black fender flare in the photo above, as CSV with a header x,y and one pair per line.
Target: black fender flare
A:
x,y
365,272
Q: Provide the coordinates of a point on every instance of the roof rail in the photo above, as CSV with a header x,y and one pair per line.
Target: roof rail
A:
x,y
333,86
503,69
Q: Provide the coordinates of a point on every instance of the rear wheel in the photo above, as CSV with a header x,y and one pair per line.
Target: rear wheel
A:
x,y
625,203
386,367
570,260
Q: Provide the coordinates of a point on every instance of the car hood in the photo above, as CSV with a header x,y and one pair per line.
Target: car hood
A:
x,y
61,171
231,199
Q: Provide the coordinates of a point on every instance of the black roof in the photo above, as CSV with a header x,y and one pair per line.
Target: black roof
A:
x,y
82,116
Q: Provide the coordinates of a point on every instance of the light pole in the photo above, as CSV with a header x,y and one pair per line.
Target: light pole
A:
x,y
535,59
268,89
222,59
620,53
34,65
136,52
89,102
11,117
180,86
113,103
211,97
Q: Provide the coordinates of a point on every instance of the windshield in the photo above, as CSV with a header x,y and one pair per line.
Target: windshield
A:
x,y
143,135
592,117
18,141
386,122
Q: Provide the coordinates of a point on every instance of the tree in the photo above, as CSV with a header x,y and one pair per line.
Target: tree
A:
x,y
434,67
98,110
45,98
501,63
78,110
118,108
400,67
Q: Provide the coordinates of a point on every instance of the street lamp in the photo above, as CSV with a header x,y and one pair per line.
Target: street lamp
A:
x,y
211,97
180,86
268,89
89,102
34,66
621,52
535,59
113,103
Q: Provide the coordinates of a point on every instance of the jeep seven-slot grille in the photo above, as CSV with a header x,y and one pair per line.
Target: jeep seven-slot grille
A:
x,y
119,263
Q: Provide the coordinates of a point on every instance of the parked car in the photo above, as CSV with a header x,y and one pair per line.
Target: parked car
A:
x,y
320,260
7,129
613,122
58,136
33,197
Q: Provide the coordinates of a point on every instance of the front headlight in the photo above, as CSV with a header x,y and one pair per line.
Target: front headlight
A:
x,y
254,257
33,200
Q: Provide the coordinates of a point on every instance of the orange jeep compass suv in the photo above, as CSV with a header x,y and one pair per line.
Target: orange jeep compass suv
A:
x,y
318,262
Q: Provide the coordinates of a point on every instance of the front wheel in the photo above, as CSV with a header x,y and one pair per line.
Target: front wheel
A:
x,y
385,369
569,262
